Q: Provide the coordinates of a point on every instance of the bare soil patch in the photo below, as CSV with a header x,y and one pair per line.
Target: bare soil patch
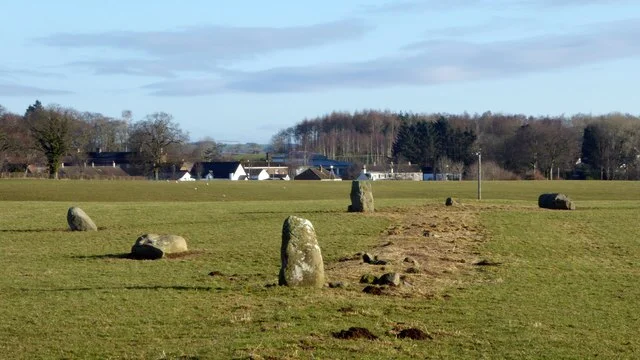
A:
x,y
414,334
432,246
373,290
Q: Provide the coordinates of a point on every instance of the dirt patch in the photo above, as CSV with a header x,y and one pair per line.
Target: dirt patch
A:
x,y
354,333
414,334
373,290
434,245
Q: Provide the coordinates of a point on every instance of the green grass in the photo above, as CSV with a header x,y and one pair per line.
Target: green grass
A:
x,y
149,191
567,286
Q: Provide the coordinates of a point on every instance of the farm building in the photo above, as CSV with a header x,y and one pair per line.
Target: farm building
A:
x,y
390,172
222,170
317,174
274,172
183,176
280,177
92,172
257,174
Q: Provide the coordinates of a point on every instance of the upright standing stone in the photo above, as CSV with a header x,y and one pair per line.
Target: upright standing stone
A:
x,y
361,197
556,202
300,254
78,220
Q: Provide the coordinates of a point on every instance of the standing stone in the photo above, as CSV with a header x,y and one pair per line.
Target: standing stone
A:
x,y
154,246
555,201
300,254
361,197
78,220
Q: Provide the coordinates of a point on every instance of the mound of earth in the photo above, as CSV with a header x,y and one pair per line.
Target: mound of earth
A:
x,y
414,334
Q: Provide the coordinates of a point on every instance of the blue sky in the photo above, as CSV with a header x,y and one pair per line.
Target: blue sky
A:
x,y
242,70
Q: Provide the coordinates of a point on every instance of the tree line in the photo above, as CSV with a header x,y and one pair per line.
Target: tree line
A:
x,y
53,134
513,146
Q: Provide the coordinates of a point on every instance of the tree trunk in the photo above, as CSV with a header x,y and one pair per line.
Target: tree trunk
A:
x,y
53,171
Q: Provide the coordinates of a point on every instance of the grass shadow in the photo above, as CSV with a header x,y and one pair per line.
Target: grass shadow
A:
x,y
104,256
33,230
290,212
100,228
128,256
133,287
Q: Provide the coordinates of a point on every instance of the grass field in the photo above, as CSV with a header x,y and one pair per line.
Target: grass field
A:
x,y
566,285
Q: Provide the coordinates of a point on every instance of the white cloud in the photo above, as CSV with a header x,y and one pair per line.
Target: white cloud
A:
x,y
431,62
25,90
439,5
165,53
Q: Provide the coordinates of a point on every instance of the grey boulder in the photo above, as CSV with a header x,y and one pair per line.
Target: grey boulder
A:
x,y
392,279
155,246
556,202
78,220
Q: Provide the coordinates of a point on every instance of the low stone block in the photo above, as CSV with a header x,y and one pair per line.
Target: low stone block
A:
x,y
155,246
555,201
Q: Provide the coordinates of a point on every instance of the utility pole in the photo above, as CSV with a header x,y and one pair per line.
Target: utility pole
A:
x,y
479,153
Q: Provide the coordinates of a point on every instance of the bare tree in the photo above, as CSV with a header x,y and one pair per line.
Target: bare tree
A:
x,y
444,166
457,168
152,137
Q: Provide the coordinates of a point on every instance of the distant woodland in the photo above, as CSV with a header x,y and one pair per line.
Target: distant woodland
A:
x,y
512,146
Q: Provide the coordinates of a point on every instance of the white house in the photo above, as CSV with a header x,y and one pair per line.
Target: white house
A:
x,y
184,176
257,174
273,172
401,172
223,170
280,177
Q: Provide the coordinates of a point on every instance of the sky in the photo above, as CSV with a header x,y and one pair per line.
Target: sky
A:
x,y
240,71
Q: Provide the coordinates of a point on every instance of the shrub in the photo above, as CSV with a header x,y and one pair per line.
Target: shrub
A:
x,y
490,171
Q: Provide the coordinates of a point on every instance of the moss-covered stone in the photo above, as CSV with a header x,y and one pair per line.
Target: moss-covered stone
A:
x,y
300,254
